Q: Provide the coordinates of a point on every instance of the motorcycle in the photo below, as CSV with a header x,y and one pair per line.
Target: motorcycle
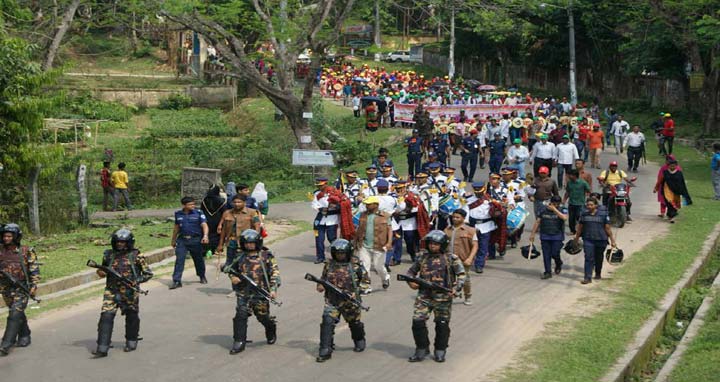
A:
x,y
617,200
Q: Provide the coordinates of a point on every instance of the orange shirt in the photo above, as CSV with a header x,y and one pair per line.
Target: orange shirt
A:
x,y
595,139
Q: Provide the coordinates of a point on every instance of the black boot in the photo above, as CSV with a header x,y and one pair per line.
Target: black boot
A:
x,y
105,328
24,333
442,337
270,330
422,342
239,334
132,330
357,331
326,339
14,323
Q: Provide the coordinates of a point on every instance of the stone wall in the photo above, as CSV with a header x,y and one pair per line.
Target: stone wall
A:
x,y
212,95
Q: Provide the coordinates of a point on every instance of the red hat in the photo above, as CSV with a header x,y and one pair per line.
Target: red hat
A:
x,y
473,131
543,170
613,163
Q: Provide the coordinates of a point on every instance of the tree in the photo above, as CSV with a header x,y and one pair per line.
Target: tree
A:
x,y
22,102
59,34
290,28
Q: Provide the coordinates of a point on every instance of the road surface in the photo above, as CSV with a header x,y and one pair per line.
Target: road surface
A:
x,y
187,332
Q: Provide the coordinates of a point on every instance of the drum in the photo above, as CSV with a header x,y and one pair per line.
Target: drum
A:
x,y
337,87
356,216
516,218
448,204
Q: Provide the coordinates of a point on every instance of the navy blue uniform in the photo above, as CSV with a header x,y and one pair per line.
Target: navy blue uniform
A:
x,y
497,155
188,240
595,240
414,155
440,146
469,157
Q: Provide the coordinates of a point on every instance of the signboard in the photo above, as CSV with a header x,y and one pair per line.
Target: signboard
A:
x,y
359,44
197,181
696,81
404,112
305,138
313,158
307,115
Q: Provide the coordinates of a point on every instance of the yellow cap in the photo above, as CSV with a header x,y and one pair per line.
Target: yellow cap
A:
x,y
667,115
371,200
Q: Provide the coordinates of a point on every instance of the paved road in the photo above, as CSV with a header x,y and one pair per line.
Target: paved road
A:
x,y
188,331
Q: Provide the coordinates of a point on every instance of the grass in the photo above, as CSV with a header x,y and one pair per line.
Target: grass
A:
x,y
584,348
700,361
66,254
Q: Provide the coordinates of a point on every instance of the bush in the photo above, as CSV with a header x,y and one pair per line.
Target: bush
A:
x,y
189,123
84,106
176,101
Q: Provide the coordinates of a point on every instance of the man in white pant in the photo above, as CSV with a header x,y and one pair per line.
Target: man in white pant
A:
x,y
373,238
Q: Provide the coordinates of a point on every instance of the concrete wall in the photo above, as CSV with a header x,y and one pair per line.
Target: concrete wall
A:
x,y
212,95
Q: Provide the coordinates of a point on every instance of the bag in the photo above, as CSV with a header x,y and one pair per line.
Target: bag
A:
x,y
614,256
356,108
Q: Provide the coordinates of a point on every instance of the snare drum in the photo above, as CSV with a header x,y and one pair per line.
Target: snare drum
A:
x,y
448,204
356,216
516,218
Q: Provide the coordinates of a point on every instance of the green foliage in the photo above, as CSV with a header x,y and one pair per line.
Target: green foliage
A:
x,y
84,106
22,104
176,101
189,123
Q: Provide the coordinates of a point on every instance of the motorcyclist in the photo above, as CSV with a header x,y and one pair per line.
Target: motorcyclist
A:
x,y
610,178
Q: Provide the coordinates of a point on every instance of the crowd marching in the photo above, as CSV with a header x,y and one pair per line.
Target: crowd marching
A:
x,y
449,223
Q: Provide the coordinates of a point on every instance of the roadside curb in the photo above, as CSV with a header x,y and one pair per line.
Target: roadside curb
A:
x,y
692,331
638,353
82,280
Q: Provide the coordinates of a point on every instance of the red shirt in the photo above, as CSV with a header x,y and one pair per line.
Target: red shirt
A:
x,y
105,178
583,133
668,128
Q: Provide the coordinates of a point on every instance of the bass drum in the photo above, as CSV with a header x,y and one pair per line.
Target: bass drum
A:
x,y
448,204
356,216
516,219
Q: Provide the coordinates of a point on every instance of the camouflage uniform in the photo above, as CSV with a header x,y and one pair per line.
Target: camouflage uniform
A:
x,y
21,264
348,277
441,269
262,268
130,264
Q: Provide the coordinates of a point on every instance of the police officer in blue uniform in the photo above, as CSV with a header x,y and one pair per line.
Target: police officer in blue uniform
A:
x,y
433,159
414,145
189,234
497,148
440,146
470,149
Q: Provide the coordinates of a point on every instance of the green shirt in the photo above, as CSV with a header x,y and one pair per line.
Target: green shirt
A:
x,y
369,231
576,191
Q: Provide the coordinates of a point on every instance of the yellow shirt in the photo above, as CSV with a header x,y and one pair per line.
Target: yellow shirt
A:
x,y
613,178
119,179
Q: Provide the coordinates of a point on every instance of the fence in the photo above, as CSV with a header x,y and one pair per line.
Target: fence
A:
x,y
659,91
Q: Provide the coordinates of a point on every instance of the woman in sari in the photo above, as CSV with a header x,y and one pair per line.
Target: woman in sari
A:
x,y
371,117
660,198
671,187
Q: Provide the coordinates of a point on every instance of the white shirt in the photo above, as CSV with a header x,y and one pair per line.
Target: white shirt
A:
x,y
505,127
619,128
517,154
317,204
566,153
543,150
409,224
634,139
567,107
480,213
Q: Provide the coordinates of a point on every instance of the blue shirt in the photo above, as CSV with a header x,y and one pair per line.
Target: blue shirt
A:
x,y
470,144
414,145
439,146
190,223
594,225
715,163
497,148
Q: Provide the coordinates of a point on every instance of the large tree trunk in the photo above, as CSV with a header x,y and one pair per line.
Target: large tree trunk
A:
x,y
710,97
378,43
59,34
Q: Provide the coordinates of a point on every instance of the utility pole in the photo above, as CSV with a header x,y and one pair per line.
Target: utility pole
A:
x,y
451,54
571,39
378,43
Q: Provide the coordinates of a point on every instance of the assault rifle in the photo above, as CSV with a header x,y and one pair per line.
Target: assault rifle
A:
x,y
16,283
253,285
337,291
423,284
112,273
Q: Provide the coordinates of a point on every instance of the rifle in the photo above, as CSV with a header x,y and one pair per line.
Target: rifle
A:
x,y
337,291
122,279
253,285
423,284
23,288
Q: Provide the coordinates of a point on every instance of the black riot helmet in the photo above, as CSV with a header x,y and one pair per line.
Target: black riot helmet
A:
x,y
123,234
341,247
250,236
15,230
438,237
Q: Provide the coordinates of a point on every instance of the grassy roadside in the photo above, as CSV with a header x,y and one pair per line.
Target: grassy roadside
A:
x,y
583,348
700,361
66,254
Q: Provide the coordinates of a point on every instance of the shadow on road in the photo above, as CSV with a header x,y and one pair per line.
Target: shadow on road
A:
x,y
223,341
212,291
395,350
310,347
